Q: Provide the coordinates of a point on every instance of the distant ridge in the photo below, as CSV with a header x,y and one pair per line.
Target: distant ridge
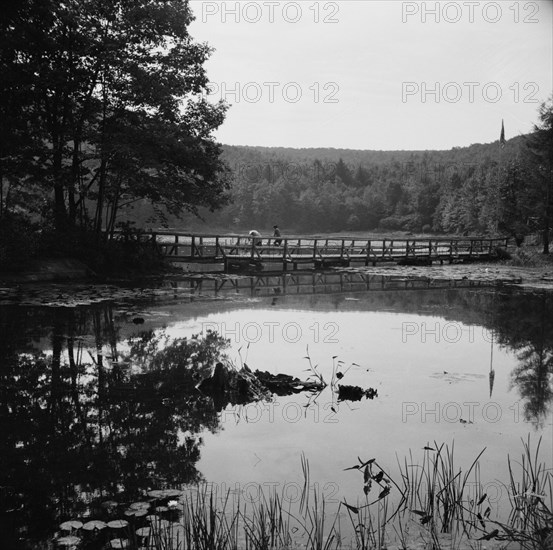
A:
x,y
365,157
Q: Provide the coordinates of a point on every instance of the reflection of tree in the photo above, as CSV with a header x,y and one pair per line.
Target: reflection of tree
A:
x,y
79,426
532,377
524,322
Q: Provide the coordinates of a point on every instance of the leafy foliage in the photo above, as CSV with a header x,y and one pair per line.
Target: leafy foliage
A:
x,y
104,104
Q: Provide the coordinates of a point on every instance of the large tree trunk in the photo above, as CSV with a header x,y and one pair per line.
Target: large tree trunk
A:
x,y
75,170
99,220
60,212
58,138
548,208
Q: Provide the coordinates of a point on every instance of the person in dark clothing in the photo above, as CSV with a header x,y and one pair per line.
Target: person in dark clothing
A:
x,y
276,233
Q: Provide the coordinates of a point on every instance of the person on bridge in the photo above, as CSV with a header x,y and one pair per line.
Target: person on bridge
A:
x,y
254,233
276,233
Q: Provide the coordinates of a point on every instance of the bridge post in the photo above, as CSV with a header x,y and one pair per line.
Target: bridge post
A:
x,y
175,247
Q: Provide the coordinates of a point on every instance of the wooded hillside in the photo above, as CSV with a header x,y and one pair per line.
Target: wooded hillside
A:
x,y
467,189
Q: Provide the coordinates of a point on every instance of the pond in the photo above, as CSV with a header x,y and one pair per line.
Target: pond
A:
x,y
99,402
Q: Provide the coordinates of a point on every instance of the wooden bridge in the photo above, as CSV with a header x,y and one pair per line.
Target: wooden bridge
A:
x,y
240,252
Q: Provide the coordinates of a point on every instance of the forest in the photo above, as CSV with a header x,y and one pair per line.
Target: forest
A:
x,y
105,124
485,189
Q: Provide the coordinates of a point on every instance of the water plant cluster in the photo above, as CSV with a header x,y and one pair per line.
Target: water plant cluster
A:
x,y
430,504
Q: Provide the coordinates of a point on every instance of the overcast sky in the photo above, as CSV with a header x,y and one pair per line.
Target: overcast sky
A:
x,y
368,74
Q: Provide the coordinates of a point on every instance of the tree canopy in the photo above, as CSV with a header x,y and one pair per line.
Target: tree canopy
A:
x,y
102,103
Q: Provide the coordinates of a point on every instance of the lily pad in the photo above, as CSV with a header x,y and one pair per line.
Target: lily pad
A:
x,y
95,524
136,513
143,532
70,525
118,523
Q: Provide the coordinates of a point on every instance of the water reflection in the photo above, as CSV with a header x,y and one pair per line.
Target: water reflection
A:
x,y
315,282
91,407
527,328
83,420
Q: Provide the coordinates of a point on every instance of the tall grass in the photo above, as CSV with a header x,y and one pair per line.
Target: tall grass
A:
x,y
208,525
531,498
432,502
267,526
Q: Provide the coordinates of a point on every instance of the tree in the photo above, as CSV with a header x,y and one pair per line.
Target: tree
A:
x,y
539,154
112,93
514,208
343,173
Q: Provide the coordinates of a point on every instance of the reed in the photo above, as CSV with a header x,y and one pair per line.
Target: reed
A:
x,y
267,526
531,497
207,524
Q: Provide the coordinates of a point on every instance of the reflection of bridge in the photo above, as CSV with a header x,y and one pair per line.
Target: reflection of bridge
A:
x,y
316,283
239,252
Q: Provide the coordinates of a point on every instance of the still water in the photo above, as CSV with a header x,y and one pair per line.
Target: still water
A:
x,y
99,402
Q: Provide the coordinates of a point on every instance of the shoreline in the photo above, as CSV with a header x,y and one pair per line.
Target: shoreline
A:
x,y
68,270
78,286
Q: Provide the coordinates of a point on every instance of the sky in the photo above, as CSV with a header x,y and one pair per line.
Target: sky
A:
x,y
376,75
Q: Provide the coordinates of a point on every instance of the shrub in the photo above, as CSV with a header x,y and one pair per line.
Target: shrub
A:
x,y
391,223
